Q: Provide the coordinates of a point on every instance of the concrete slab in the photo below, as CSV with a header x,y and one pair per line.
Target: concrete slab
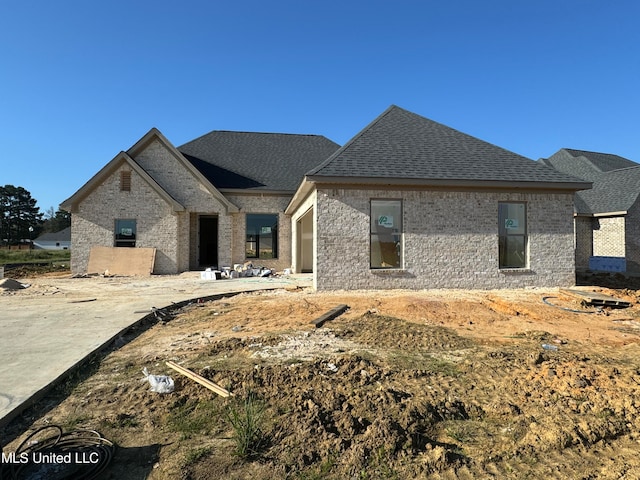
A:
x,y
51,326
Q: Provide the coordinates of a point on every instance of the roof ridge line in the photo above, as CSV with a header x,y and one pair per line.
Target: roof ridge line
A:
x,y
352,140
254,133
622,169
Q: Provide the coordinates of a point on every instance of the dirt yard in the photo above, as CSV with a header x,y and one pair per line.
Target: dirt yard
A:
x,y
432,384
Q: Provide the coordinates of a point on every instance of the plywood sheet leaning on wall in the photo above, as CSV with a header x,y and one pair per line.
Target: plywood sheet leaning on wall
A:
x,y
121,261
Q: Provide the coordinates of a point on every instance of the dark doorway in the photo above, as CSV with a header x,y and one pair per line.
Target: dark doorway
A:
x,y
208,242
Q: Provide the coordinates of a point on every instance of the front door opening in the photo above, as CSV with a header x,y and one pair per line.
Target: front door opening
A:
x,y
208,241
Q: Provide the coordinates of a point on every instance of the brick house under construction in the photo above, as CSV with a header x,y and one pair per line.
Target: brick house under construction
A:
x,y
406,203
607,217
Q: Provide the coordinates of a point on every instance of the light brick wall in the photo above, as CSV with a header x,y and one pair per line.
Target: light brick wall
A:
x,y
450,240
609,237
632,232
261,203
176,179
157,225
173,234
182,185
584,241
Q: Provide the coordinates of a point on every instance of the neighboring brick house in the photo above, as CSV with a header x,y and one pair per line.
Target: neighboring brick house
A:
x,y
407,203
215,201
410,203
607,217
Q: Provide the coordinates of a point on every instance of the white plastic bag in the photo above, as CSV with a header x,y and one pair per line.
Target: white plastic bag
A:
x,y
159,383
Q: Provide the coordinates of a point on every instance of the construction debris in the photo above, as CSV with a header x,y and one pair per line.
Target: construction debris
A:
x,y
201,380
330,315
239,270
11,284
159,383
161,315
598,299
249,270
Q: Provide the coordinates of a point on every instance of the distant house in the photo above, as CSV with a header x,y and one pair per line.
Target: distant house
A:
x,y
54,241
607,217
406,203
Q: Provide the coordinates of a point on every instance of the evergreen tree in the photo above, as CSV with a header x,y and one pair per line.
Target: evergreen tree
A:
x,y
55,221
18,212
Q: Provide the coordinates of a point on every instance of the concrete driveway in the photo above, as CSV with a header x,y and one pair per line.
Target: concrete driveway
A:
x,y
55,323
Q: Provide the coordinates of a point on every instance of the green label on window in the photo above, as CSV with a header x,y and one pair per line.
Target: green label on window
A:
x,y
385,221
511,223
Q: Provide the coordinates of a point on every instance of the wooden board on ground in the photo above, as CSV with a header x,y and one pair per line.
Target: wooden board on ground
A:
x,y
214,387
121,260
593,298
330,315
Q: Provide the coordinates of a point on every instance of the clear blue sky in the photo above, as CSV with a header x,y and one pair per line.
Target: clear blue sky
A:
x,y
82,80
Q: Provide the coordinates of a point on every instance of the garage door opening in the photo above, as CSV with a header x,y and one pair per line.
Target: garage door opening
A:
x,y
305,242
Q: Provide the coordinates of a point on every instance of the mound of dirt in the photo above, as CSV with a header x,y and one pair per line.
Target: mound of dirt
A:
x,y
11,284
443,388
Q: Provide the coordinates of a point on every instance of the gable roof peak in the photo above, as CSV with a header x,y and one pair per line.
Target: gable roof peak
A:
x,y
402,146
71,203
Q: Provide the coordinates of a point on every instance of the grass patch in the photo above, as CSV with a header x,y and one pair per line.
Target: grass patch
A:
x,y
246,417
192,417
195,454
28,256
76,420
123,420
319,472
462,431
422,361
381,465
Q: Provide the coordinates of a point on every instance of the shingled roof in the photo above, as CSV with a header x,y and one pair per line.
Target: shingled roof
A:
x,y
616,180
402,147
256,161
63,235
584,164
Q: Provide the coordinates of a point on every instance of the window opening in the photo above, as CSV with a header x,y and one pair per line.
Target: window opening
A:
x,y
125,233
386,234
262,236
512,232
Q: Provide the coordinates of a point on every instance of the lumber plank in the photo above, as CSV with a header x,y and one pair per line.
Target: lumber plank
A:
x,y
330,315
199,379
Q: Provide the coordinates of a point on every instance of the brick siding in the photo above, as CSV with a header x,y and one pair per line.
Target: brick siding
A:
x,y
261,203
632,232
93,224
608,236
450,240
583,242
174,234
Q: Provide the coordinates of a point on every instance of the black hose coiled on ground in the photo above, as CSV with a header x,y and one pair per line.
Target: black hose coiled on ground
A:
x,y
77,455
